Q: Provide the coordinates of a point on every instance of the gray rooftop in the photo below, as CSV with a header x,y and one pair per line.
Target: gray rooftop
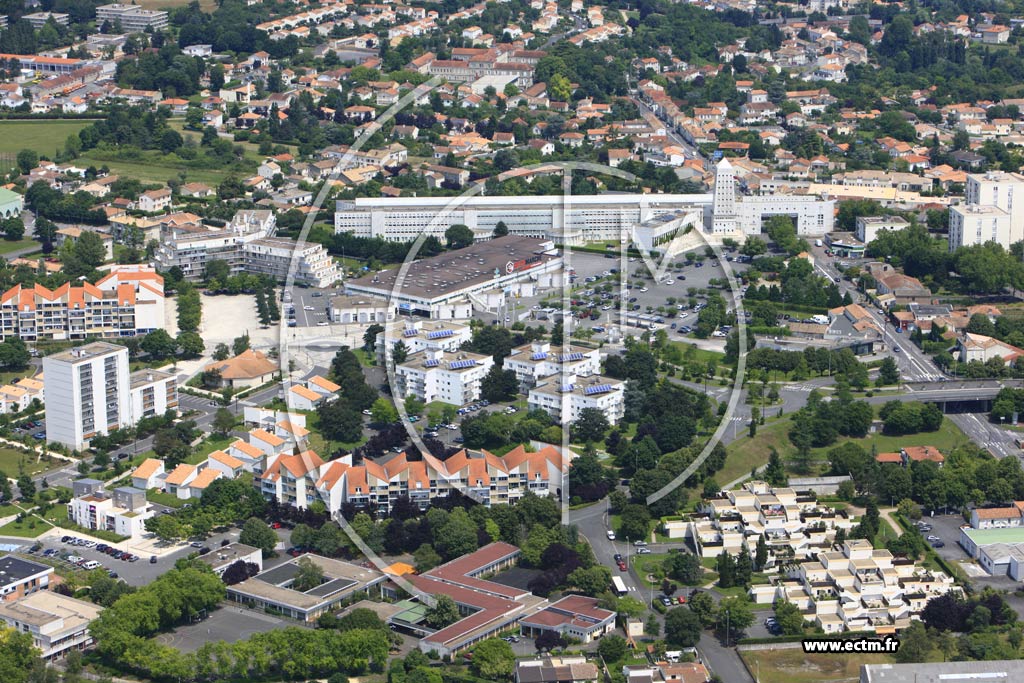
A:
x,y
945,672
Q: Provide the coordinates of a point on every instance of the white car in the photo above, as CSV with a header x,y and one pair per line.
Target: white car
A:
x,y
669,282
640,544
684,314
611,535
642,551
308,308
718,333
643,289
322,323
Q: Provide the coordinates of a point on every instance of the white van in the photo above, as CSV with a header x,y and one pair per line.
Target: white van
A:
x,y
611,535
820,319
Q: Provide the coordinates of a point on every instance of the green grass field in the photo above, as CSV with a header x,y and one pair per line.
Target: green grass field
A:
x,y
7,246
793,666
44,137
149,172
32,526
11,459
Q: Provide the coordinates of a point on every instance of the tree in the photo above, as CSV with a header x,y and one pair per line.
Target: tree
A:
x,y
426,558
612,648
726,567
493,659
736,615
89,249
191,344
308,575
383,411
165,527
399,352
915,644
256,533
682,627
635,522
685,568
500,229
26,486
591,581
27,160
499,385
760,554
703,605
443,613
223,421
775,471
222,352
888,372
591,425
13,229
789,617
159,344
457,536
45,231
339,421
240,344
753,246
370,337
239,571
458,236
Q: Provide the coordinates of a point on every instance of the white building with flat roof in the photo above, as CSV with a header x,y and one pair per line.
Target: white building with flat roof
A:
x,y
422,335
57,623
868,227
449,377
988,214
533,362
977,224
564,401
132,18
87,393
732,212
123,511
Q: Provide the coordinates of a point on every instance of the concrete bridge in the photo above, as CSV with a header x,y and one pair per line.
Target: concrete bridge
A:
x,y
959,395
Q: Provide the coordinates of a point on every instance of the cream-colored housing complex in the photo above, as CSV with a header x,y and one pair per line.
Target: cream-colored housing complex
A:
x,y
988,213
422,335
300,479
795,526
565,398
858,588
127,302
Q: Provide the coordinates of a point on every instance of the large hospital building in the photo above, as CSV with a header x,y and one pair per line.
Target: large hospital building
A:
x,y
578,219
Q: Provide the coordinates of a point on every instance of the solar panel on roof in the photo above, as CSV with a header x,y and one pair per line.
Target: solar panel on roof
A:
x,y
459,364
566,388
430,363
439,334
571,357
410,332
597,389
539,356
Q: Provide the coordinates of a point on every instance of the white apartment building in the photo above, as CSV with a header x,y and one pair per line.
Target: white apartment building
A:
x,y
57,623
868,227
89,391
123,511
127,302
422,335
132,18
436,375
535,361
309,263
152,393
979,223
794,525
994,219
86,392
565,400
189,246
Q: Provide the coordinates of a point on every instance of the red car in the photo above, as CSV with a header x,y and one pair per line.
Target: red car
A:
x,y
622,566
275,525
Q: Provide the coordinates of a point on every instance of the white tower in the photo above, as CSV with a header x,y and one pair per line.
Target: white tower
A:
x,y
723,218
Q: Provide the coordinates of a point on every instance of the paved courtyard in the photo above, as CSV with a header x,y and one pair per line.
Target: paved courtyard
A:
x,y
229,623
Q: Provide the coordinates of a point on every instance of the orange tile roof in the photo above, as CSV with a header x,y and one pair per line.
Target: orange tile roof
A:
x,y
226,459
148,468
205,478
266,437
180,474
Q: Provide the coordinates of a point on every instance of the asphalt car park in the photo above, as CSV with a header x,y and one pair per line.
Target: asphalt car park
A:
x,y
947,529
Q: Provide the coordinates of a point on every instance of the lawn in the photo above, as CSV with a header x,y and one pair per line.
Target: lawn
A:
x,y
212,444
793,666
168,499
745,453
32,526
11,459
43,137
154,173
7,246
